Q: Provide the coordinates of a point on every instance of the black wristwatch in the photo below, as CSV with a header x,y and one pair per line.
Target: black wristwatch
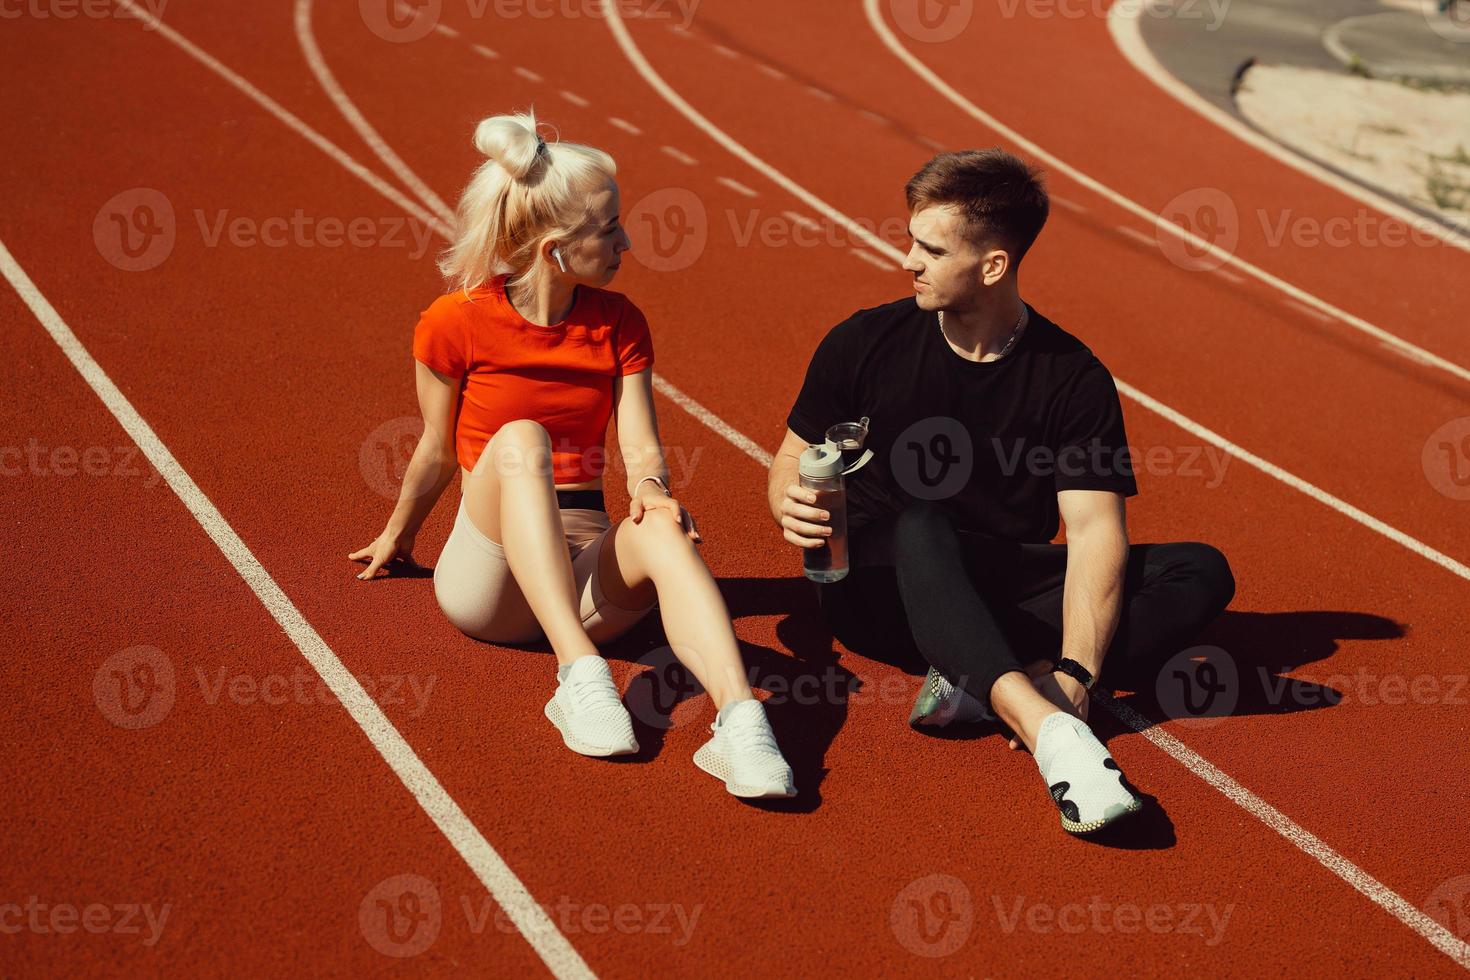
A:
x,y
1076,671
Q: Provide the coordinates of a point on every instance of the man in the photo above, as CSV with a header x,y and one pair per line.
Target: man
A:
x,y
989,425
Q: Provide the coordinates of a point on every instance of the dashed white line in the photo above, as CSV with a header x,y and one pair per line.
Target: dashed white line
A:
x,y
821,93
574,99
624,125
446,30
1070,205
876,117
772,71
727,52
679,155
737,187
1229,276
486,52
1137,236
931,142
527,74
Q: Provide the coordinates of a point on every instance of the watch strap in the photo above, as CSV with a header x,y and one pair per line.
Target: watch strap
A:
x,y
1076,671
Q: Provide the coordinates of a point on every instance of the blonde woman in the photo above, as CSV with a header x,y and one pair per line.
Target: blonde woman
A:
x,y
518,372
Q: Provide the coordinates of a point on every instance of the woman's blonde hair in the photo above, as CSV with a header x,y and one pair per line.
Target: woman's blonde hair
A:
x,y
526,191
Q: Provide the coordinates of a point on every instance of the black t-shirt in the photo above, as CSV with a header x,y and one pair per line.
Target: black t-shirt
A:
x,y
994,441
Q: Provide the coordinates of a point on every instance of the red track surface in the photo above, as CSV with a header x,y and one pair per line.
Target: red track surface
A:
x,y
267,827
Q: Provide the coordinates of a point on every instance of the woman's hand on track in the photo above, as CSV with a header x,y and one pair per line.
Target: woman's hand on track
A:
x,y
385,551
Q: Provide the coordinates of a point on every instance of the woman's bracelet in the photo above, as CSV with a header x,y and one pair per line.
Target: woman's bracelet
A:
x,y
659,480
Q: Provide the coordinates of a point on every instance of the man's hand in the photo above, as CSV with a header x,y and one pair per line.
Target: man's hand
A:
x,y
800,521
1061,690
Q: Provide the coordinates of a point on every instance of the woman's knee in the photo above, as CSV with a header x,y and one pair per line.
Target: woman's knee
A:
x,y
519,447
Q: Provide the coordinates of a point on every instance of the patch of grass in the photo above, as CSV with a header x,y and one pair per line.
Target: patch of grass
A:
x,y
1459,157
1444,189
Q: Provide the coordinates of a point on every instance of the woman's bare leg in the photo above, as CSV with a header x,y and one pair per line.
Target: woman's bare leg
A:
x,y
512,497
655,557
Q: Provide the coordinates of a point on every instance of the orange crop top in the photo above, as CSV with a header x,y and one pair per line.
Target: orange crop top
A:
x,y
510,368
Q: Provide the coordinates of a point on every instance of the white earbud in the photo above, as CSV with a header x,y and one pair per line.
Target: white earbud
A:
x,y
556,254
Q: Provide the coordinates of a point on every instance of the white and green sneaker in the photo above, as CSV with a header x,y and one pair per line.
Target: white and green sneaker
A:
x,y
1085,783
940,703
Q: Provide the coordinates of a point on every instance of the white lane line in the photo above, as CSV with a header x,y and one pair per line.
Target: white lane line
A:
x,y
1388,899
291,121
737,187
719,425
772,71
1123,25
574,99
875,117
727,52
624,125
490,53
679,155
307,39
446,30
1137,236
508,891
1403,347
1440,937
1229,276
872,259
821,93
931,142
527,74
1067,203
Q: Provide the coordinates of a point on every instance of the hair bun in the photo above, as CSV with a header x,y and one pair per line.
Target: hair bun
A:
x,y
510,141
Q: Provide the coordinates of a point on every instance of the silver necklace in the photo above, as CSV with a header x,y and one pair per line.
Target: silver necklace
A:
x,y
1021,318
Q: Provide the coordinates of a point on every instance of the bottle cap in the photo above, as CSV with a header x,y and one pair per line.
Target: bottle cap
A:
x,y
821,462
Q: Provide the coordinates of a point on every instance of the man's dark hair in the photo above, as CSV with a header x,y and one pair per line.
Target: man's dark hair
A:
x,y
999,195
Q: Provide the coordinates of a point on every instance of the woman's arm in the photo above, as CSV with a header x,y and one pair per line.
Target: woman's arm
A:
x,y
643,453
434,462
429,471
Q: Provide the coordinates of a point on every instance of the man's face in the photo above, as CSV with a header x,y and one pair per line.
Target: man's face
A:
x,y
950,270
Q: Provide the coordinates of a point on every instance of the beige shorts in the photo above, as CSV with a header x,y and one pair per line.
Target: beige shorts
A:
x,y
476,590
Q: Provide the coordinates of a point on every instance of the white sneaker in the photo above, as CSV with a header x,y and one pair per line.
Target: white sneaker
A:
x,y
743,753
588,712
1086,784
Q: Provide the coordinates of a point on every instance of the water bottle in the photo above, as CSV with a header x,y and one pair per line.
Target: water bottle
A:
x,y
821,471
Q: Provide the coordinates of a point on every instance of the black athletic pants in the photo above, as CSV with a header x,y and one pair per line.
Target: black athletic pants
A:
x,y
922,592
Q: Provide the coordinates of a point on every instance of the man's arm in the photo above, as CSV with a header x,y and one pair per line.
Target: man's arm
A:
x,y
1097,554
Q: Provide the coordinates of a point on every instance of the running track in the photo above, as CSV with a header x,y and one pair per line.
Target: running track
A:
x,y
270,830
